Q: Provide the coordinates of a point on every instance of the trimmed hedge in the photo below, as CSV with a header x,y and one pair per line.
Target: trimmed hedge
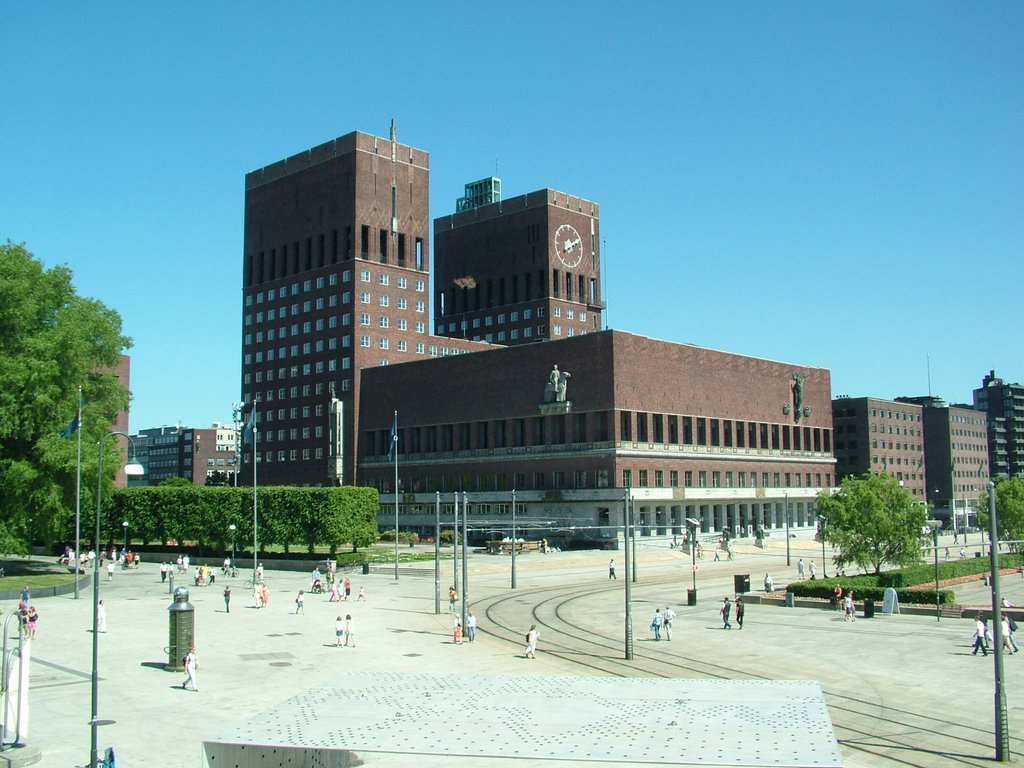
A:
x,y
902,580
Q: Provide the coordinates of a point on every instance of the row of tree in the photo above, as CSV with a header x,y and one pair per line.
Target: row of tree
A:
x,y
289,518
872,521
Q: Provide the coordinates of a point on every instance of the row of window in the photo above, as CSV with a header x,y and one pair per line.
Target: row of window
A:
x,y
288,260
600,478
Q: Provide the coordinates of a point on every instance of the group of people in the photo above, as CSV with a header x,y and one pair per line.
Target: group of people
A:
x,y
662,622
983,635
726,612
470,633
810,568
28,614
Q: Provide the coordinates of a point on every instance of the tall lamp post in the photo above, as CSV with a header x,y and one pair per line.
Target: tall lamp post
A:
x,y
693,523
232,528
821,533
935,525
1002,727
132,469
125,525
788,559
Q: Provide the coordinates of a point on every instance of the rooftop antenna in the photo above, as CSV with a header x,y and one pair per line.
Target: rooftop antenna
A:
x,y
928,359
604,285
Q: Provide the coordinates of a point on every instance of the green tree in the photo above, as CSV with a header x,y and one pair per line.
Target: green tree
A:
x,y
872,521
1009,510
51,342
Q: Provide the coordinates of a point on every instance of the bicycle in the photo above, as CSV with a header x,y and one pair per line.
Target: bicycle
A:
x,y
250,583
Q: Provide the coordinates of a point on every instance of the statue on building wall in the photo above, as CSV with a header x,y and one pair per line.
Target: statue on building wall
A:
x,y
798,395
554,390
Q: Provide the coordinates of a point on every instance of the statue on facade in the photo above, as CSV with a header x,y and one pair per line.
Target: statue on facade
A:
x,y
798,395
554,390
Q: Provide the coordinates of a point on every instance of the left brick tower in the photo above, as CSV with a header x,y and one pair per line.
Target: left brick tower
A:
x,y
335,279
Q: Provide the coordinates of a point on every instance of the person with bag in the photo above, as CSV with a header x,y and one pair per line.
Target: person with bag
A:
x,y
531,642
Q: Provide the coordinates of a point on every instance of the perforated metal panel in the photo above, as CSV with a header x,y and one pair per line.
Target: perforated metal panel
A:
x,y
643,720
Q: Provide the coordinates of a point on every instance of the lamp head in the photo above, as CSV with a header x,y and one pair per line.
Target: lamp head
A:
x,y
134,469
693,522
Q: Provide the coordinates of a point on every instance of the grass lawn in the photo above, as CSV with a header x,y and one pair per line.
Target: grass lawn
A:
x,y
36,573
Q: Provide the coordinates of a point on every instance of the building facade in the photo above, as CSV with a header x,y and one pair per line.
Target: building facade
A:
x,y
956,458
335,280
1003,405
519,270
881,436
166,452
575,426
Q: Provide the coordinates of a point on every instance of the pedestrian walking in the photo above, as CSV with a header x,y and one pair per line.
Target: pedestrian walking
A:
x,y
656,624
531,642
110,570
725,610
350,630
471,627
980,636
812,570
850,614
300,602
457,631
191,670
227,599
361,597
101,617
611,569
163,572
1008,642
667,618
339,630
740,610
768,584
800,568
453,596
257,594
348,588
265,595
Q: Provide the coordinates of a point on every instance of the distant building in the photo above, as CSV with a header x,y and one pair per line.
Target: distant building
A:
x,y
1003,405
177,451
880,436
956,458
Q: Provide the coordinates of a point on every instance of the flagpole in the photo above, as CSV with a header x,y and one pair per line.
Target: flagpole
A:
x,y
255,462
78,495
394,447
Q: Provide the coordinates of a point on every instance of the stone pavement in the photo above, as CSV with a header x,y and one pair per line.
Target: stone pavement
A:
x,y
888,681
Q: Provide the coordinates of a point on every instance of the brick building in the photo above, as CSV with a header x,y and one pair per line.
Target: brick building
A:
x,y
519,270
880,436
336,267
692,433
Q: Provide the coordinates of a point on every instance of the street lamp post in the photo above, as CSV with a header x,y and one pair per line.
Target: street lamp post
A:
x,y
788,559
693,554
821,534
232,528
935,525
1002,727
513,538
125,524
132,469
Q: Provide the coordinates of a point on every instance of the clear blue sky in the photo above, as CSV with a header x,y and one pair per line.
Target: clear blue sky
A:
x,y
834,184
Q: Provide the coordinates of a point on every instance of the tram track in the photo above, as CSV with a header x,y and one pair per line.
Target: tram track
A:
x,y
872,731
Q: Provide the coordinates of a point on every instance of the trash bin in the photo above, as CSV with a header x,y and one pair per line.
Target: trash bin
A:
x,y
691,597
790,601
869,608
741,583
181,629
366,567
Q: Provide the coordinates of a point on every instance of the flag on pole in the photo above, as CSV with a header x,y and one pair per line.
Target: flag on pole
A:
x,y
249,434
74,425
393,442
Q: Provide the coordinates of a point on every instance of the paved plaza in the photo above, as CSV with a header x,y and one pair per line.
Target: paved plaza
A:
x,y
900,690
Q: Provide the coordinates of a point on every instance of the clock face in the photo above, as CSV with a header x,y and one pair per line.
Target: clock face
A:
x,y
568,245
